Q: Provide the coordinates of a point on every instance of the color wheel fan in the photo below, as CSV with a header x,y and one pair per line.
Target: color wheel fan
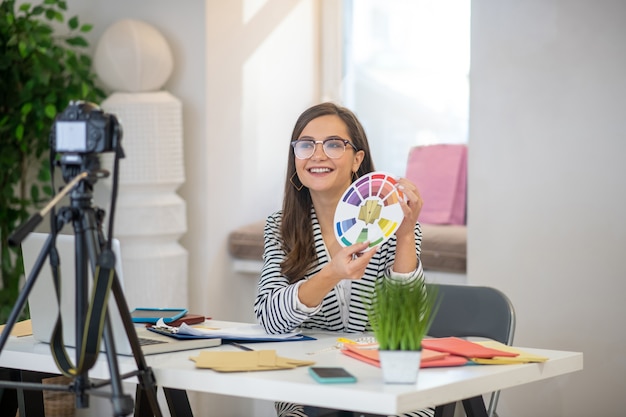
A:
x,y
369,210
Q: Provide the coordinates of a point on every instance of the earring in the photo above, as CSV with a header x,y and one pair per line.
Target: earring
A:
x,y
294,184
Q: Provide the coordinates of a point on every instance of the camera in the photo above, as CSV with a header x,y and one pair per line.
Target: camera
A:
x,y
83,128
80,133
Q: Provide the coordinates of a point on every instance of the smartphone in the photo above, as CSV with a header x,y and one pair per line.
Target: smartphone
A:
x,y
152,315
331,375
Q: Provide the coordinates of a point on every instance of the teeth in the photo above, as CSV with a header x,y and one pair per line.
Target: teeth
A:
x,y
319,170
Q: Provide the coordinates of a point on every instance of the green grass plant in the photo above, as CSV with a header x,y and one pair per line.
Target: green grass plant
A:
x,y
401,312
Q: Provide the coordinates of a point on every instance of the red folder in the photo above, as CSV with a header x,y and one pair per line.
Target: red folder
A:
x,y
430,358
450,360
462,347
188,319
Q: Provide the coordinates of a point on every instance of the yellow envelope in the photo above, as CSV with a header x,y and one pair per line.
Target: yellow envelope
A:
x,y
21,328
294,362
257,360
522,357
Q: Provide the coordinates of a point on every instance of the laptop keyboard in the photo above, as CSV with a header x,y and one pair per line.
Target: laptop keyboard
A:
x,y
145,341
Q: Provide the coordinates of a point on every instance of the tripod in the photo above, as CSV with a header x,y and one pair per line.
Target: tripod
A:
x,y
92,250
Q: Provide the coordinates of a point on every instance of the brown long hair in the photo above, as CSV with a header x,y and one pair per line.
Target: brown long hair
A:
x,y
296,228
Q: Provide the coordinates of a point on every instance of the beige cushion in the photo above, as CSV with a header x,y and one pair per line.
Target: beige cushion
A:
x,y
247,241
444,247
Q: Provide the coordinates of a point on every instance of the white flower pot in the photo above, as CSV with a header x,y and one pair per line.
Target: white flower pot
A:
x,y
400,366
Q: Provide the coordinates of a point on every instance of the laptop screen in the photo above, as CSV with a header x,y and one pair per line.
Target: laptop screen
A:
x,y
44,307
42,300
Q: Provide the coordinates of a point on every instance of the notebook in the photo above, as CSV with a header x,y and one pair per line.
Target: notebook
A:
x,y
44,309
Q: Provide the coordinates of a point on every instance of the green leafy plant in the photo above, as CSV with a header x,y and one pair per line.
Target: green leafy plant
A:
x,y
401,313
40,73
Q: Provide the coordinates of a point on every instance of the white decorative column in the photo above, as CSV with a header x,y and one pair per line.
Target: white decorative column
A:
x,y
133,59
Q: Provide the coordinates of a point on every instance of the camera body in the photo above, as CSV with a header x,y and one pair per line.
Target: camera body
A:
x,y
81,132
83,128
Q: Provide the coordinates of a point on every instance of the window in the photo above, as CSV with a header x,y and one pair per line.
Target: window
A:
x,y
406,73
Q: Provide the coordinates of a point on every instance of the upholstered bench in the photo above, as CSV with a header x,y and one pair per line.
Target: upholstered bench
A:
x,y
444,247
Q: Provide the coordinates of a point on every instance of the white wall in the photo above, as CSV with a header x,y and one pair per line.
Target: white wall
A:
x,y
547,189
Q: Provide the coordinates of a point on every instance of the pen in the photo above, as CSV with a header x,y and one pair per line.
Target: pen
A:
x,y
242,347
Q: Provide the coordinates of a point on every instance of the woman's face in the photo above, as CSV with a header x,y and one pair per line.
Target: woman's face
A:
x,y
319,173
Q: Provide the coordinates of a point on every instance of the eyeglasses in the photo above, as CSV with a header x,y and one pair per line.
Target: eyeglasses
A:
x,y
333,147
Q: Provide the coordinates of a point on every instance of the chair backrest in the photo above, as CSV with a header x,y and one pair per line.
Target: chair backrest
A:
x,y
473,311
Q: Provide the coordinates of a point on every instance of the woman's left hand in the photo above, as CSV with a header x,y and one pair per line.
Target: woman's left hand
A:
x,y
411,206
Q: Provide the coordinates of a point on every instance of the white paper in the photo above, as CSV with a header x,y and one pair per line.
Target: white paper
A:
x,y
251,331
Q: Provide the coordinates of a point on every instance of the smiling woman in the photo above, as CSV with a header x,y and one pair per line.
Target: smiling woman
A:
x,y
309,279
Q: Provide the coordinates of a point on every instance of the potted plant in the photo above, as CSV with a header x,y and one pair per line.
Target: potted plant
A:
x,y
400,313
40,72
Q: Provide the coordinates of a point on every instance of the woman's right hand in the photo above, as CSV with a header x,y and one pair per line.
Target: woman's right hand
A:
x,y
350,262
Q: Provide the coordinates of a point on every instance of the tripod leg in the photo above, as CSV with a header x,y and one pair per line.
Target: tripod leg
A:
x,y
145,375
147,382
122,404
23,297
81,306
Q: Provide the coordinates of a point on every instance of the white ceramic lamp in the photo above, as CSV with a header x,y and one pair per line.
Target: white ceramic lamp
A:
x,y
132,56
133,59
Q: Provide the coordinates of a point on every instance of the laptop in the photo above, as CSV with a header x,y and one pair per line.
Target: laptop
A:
x,y
44,309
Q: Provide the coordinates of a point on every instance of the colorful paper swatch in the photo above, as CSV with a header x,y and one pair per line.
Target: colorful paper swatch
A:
x,y
369,210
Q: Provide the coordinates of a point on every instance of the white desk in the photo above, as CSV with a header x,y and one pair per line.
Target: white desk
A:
x,y
435,386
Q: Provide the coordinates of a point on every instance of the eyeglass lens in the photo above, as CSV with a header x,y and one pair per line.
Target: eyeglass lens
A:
x,y
305,148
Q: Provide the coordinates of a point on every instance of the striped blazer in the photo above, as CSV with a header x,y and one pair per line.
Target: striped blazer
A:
x,y
275,304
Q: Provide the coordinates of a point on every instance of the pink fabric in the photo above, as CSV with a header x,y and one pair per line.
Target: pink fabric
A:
x,y
440,173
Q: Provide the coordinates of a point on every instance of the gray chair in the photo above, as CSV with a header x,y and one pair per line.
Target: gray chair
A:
x,y
473,311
